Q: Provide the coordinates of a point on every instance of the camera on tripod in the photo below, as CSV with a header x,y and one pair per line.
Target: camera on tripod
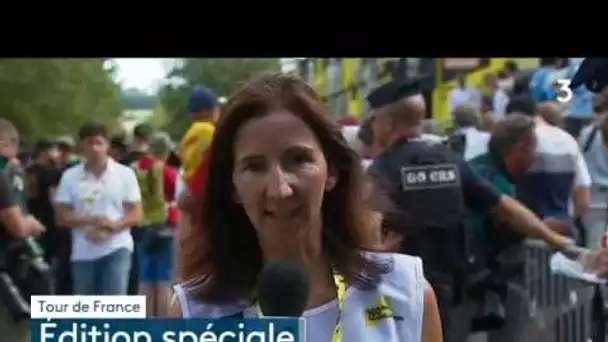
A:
x,y
23,273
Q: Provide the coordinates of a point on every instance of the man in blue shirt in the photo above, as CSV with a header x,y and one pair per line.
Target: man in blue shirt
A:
x,y
581,104
540,81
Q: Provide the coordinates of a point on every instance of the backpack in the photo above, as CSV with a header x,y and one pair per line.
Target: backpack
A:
x,y
150,179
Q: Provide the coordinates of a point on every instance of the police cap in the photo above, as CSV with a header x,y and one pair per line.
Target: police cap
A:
x,y
392,92
593,73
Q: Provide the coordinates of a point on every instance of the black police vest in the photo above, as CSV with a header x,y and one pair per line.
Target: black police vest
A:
x,y
425,186
423,180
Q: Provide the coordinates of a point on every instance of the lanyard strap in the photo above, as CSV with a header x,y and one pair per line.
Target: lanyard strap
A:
x,y
341,297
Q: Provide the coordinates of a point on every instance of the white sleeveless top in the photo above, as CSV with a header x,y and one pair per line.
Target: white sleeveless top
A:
x,y
392,312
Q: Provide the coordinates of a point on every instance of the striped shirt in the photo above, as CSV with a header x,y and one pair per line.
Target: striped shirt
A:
x,y
560,166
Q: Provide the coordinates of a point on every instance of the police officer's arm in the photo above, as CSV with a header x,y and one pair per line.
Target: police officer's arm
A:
x,y
481,196
431,321
11,215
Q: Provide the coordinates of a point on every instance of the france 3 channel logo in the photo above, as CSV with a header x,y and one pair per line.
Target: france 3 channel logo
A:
x,y
561,91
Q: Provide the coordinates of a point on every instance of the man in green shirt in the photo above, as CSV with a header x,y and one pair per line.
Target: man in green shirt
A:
x,y
511,152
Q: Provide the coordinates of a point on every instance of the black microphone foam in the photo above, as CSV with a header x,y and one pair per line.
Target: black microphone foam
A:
x,y
282,289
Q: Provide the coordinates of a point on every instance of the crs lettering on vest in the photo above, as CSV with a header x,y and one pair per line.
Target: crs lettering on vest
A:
x,y
436,176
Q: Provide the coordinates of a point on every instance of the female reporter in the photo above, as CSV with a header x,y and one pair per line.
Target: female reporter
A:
x,y
283,185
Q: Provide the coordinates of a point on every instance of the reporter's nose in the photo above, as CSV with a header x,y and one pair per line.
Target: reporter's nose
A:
x,y
278,185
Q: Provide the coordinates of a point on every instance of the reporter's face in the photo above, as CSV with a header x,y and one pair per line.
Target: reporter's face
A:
x,y
280,173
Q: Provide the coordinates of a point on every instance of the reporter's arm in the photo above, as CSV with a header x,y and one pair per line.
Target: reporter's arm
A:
x,y
431,321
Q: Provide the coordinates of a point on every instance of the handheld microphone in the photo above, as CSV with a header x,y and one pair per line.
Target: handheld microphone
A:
x,y
282,289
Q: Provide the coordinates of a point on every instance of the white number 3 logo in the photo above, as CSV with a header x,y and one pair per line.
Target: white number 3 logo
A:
x,y
564,93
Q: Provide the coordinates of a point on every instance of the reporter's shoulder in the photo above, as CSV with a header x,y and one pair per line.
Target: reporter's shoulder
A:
x,y
404,283
185,300
401,268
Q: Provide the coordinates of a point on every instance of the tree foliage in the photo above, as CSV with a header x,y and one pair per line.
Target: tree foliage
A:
x,y
49,97
222,75
134,99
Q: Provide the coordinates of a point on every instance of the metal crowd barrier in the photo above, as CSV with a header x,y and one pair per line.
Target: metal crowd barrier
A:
x,y
552,307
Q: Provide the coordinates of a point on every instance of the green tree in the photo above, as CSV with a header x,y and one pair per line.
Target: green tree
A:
x,y
48,97
134,99
159,117
222,75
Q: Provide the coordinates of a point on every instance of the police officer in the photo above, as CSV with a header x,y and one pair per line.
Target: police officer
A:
x,y
431,188
14,222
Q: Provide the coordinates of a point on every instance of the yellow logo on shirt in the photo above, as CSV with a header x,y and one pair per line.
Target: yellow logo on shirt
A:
x,y
379,311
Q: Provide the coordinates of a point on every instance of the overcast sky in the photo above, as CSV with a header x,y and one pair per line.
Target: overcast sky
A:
x,y
147,73
142,73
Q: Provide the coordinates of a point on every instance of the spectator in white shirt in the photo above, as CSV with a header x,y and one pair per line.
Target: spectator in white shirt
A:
x,y
498,97
466,122
559,174
551,113
99,200
509,73
463,94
